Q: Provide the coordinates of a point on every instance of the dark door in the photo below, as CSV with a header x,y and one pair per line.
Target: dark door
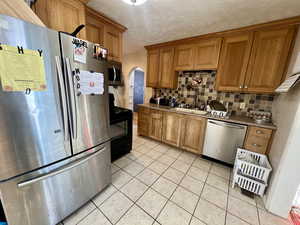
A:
x,y
138,89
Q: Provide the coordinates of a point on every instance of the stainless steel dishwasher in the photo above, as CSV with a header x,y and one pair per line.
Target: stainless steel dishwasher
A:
x,y
222,140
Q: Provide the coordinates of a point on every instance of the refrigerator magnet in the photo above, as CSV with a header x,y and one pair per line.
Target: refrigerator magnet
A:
x,y
79,50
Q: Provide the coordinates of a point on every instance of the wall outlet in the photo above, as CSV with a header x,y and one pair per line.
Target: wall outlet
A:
x,y
242,105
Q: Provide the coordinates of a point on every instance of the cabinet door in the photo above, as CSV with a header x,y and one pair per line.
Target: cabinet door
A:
x,y
168,78
193,133
183,59
62,15
268,60
171,128
143,121
143,124
95,29
234,60
113,42
155,124
153,68
206,56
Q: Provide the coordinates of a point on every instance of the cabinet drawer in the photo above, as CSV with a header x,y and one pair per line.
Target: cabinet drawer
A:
x,y
260,132
257,144
143,109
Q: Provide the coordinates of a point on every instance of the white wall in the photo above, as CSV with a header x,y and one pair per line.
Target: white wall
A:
x,y
131,61
285,151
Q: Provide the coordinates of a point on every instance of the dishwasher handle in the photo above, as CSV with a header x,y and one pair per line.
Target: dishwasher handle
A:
x,y
229,125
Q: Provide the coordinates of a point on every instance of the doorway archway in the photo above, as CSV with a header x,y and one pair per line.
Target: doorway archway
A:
x,y
136,86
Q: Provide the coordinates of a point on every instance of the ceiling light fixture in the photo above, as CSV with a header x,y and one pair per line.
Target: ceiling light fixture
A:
x,y
135,2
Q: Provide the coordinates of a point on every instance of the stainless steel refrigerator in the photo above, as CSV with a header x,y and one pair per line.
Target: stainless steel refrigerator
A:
x,y
54,144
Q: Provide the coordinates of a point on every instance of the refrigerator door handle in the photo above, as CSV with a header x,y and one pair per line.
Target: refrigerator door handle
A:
x,y
62,90
60,170
72,98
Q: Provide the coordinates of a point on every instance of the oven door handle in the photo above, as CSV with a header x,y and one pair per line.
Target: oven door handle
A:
x,y
59,170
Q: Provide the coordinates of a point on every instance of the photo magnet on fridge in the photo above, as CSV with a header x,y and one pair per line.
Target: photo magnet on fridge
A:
x,y
79,50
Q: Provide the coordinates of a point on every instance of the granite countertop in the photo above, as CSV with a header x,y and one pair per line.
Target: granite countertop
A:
x,y
234,119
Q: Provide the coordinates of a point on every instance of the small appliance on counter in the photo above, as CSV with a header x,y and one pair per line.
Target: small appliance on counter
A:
x,y
159,101
115,73
121,129
217,109
261,117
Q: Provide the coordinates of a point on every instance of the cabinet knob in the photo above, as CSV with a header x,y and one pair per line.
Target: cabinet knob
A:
x,y
259,132
256,145
241,87
246,86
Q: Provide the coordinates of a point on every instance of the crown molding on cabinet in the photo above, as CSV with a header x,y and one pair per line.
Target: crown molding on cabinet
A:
x,y
106,19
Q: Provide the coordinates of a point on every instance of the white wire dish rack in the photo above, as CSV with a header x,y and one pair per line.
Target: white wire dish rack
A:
x,y
251,171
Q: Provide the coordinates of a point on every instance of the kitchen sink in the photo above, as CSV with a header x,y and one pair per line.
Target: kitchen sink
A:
x,y
195,111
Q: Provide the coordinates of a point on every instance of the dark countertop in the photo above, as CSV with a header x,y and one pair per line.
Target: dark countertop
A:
x,y
233,119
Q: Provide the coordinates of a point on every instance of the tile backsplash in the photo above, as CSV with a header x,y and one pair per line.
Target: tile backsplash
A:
x,y
206,91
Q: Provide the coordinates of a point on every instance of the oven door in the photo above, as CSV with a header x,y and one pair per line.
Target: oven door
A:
x,y
47,196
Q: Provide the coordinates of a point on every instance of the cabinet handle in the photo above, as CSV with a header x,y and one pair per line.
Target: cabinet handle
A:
x,y
246,87
256,145
259,132
241,87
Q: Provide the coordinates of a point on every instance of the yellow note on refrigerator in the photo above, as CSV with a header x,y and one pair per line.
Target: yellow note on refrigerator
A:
x,y
21,71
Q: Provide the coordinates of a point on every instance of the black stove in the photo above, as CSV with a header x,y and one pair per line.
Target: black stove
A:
x,y
121,129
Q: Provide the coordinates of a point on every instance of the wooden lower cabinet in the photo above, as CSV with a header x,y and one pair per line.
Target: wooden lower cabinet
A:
x,y
193,133
179,130
258,139
172,128
143,121
155,124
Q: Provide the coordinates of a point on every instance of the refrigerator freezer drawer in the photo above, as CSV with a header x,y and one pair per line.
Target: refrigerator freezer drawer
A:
x,y
47,197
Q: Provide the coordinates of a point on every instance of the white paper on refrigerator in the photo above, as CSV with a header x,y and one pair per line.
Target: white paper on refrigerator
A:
x,y
90,82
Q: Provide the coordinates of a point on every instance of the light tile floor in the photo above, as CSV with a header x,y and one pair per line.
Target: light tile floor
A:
x,y
160,185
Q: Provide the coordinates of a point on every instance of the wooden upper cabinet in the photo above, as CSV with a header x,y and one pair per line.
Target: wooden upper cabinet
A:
x,y
113,42
268,59
193,133
166,68
155,124
203,55
233,63
62,15
183,59
153,68
206,54
95,28
171,128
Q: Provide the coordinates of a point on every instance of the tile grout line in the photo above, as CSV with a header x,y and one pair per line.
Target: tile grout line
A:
x,y
209,172
226,210
134,202
161,175
204,183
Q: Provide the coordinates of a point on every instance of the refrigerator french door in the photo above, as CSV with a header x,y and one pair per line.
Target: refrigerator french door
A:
x,y
54,145
89,114
33,127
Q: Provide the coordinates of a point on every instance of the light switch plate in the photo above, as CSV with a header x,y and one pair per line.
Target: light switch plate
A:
x,y
242,105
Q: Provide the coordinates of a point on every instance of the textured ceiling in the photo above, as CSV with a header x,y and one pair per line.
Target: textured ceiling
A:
x,y
165,20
